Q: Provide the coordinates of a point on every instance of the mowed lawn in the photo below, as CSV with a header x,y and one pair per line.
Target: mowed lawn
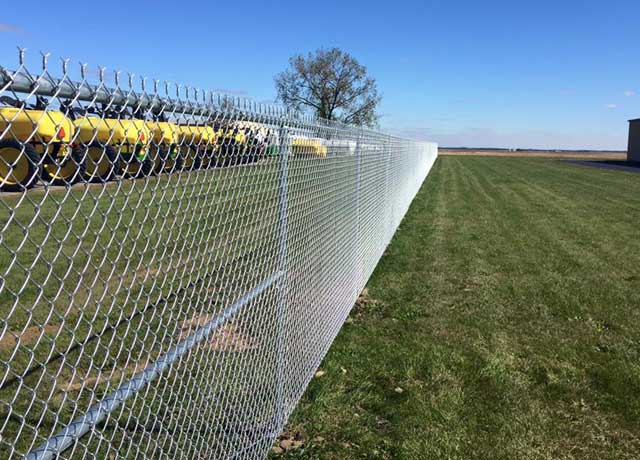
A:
x,y
502,323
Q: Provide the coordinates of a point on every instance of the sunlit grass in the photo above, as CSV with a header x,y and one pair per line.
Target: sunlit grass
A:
x,y
502,323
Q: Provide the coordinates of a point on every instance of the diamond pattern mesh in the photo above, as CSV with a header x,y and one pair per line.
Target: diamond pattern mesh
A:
x,y
175,264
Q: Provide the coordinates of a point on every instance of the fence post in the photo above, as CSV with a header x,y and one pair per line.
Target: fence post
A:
x,y
283,235
358,235
390,189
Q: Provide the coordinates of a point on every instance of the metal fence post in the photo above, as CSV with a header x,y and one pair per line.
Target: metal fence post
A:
x,y
358,235
390,190
283,218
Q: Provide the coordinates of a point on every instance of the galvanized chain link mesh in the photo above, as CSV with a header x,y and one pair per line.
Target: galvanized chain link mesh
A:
x,y
175,264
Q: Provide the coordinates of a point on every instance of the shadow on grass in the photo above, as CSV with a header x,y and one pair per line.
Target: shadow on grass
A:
x,y
620,165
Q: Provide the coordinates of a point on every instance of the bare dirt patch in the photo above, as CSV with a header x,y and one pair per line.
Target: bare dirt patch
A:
x,y
227,338
77,384
288,441
365,299
28,336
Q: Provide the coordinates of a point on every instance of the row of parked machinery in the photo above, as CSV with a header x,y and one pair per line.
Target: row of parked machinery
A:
x,y
100,144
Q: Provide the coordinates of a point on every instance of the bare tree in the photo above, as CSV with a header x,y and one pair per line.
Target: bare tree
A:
x,y
331,84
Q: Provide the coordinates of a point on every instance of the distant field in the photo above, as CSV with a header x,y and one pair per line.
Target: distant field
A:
x,y
536,154
502,323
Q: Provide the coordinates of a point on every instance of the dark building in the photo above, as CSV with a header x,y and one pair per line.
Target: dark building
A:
x,y
633,151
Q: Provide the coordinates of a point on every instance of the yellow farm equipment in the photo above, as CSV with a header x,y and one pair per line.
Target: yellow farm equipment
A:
x,y
197,146
231,145
94,138
97,143
164,148
111,141
133,147
308,147
34,144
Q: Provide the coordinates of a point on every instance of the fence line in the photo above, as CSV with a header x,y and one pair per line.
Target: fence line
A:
x,y
174,264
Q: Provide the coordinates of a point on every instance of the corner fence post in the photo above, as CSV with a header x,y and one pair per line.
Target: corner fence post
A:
x,y
283,235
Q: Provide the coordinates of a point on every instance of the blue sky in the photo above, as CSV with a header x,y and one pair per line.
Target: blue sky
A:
x,y
545,74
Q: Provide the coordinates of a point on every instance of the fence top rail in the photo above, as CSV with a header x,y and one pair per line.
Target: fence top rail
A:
x,y
153,96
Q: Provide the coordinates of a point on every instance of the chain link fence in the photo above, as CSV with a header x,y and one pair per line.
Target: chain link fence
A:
x,y
175,264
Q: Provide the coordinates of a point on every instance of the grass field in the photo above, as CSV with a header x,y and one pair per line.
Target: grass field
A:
x,y
557,154
502,323
98,281
102,279
105,279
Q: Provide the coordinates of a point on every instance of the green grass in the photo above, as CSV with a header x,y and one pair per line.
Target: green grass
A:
x,y
503,323
100,280
104,276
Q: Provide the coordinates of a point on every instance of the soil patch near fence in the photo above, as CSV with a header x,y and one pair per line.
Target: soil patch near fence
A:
x,y
79,382
28,336
227,338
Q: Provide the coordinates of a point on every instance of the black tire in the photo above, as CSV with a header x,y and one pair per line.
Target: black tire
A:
x,y
104,157
172,161
178,165
216,161
29,159
158,157
251,156
197,161
229,155
221,158
208,159
144,167
51,170
190,154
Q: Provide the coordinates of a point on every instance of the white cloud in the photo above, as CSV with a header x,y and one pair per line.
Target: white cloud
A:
x,y
8,28
611,106
630,93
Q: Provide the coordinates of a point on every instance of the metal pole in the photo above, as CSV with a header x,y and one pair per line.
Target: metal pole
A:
x,y
358,233
283,235
97,413
48,86
390,190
